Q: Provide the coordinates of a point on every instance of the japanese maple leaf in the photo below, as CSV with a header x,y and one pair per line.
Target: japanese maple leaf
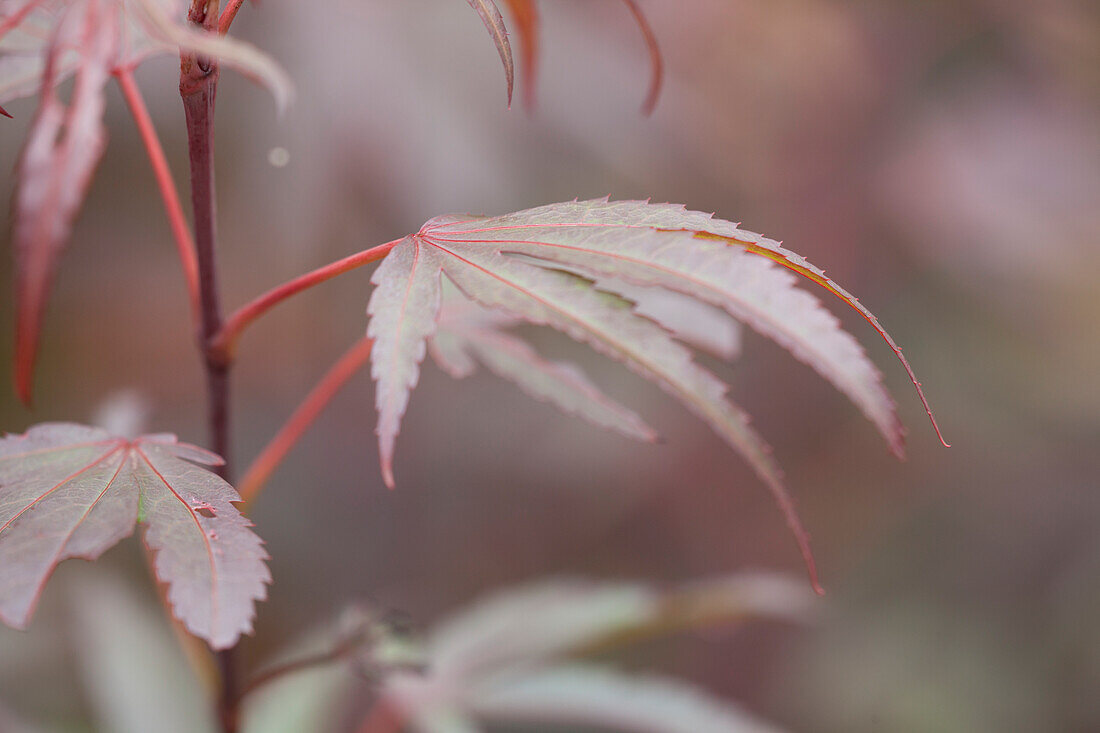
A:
x,y
43,42
560,265
68,490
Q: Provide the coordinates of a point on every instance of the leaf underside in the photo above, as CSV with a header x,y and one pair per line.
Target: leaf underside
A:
x,y
558,265
68,490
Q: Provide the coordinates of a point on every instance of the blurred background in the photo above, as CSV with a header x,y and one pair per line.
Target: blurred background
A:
x,y
940,159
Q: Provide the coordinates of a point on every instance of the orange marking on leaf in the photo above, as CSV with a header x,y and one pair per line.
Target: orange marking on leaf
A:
x,y
842,295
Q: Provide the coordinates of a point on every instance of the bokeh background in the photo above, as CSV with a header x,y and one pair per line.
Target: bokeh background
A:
x,y
941,159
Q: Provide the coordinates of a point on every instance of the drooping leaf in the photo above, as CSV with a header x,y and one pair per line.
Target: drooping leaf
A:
x,y
468,332
702,257
592,696
494,23
547,297
42,44
68,490
539,266
56,166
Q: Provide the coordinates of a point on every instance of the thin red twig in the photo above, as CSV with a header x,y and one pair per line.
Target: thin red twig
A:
x,y
224,342
228,15
316,401
185,245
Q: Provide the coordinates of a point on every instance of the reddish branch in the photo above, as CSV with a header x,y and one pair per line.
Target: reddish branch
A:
x,y
228,15
222,345
316,401
198,90
172,207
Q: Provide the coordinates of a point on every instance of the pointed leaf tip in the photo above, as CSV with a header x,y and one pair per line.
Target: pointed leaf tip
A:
x,y
494,23
5,113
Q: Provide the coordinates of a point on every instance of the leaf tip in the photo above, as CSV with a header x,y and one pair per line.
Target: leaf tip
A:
x,y
387,475
5,113
923,399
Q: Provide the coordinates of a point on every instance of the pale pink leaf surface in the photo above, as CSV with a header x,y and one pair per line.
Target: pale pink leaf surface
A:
x,y
494,23
464,337
696,323
542,296
73,491
403,310
660,244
